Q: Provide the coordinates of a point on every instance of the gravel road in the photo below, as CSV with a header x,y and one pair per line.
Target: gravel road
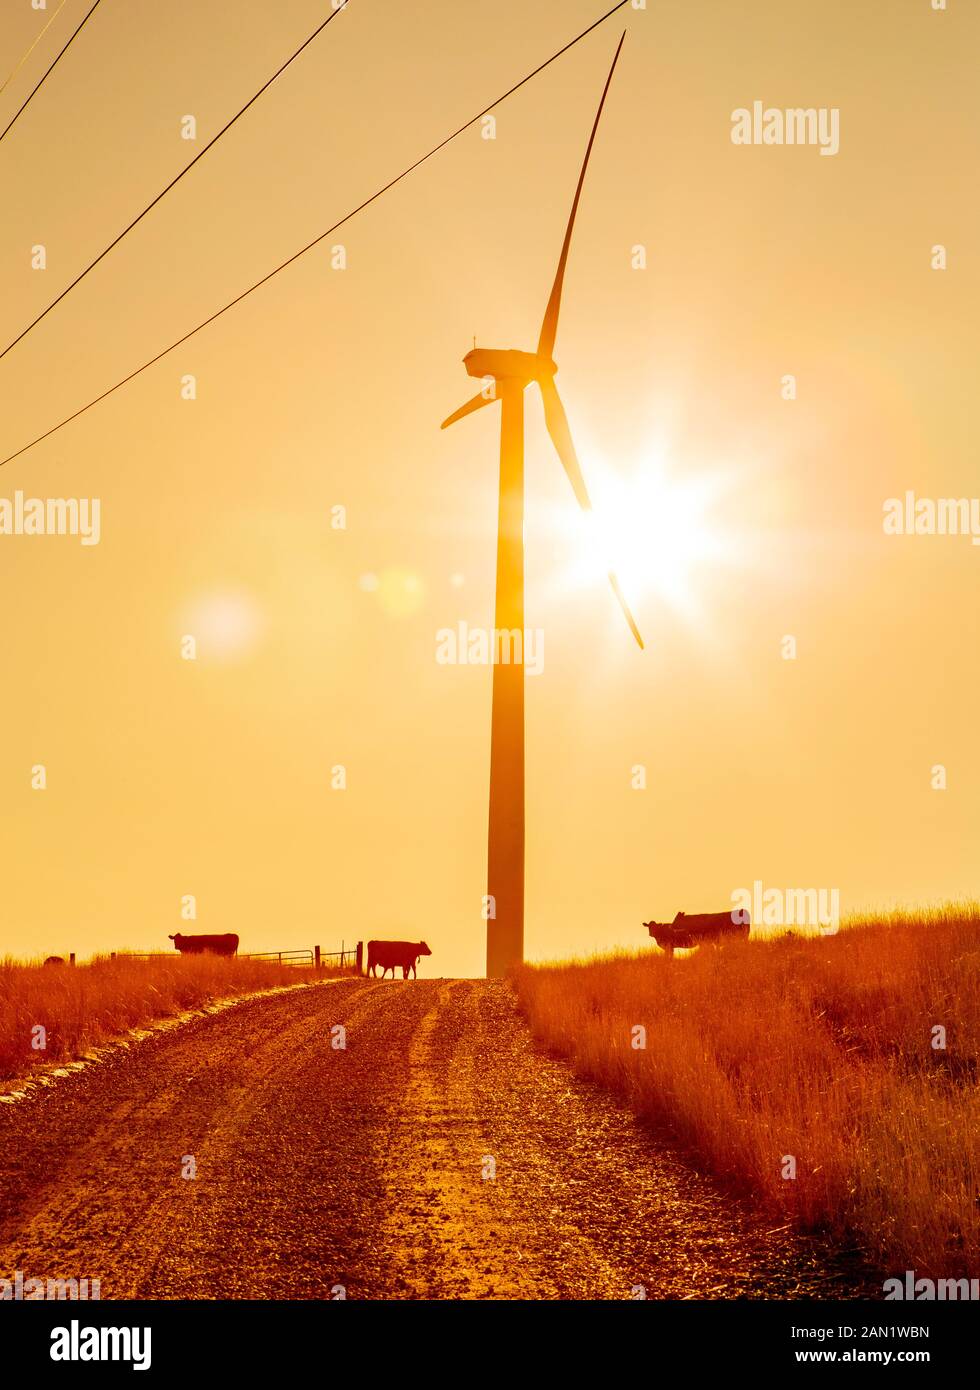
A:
x,y
440,1154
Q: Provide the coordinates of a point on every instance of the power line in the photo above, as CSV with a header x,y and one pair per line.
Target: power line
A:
x,y
17,66
57,60
316,241
186,170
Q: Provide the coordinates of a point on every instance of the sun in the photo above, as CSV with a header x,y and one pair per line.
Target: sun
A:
x,y
662,532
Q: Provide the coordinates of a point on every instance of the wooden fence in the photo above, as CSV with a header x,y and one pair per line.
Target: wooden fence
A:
x,y
347,957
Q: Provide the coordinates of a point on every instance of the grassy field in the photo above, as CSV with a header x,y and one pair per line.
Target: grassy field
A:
x,y
81,1006
814,1051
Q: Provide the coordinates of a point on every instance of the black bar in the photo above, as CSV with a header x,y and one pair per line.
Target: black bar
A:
x,y
735,1338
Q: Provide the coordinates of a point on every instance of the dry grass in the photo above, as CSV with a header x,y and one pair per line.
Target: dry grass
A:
x,y
816,1047
81,1006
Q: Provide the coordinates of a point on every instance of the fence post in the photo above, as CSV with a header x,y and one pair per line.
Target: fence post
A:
x,y
359,957
316,957
71,958
112,955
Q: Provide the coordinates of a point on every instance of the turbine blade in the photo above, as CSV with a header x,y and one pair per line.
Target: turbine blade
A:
x,y
625,607
467,409
561,436
549,328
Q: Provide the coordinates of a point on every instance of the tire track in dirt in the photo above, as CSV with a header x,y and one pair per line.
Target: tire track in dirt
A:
x,y
439,1203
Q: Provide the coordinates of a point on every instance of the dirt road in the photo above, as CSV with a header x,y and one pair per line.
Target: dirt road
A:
x,y
438,1155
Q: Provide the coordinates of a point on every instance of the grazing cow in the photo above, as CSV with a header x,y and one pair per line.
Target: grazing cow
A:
x,y
390,954
55,960
685,932
225,945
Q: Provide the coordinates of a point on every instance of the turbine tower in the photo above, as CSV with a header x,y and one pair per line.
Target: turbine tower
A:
x,y
511,371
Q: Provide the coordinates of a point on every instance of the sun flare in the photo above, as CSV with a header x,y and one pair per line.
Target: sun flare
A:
x,y
661,533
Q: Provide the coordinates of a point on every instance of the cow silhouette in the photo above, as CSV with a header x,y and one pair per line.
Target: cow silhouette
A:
x,y
389,954
685,932
225,945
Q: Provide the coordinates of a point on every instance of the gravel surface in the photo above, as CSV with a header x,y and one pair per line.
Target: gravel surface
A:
x,y
440,1154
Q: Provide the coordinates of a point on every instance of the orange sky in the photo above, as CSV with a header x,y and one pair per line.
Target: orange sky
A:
x,y
213,777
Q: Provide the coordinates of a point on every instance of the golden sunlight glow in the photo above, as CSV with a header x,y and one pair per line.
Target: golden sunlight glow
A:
x,y
659,531
399,592
225,625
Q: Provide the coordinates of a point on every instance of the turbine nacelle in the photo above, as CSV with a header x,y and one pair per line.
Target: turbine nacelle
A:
x,y
508,364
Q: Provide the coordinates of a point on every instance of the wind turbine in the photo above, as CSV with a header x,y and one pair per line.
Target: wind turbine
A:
x,y
511,371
